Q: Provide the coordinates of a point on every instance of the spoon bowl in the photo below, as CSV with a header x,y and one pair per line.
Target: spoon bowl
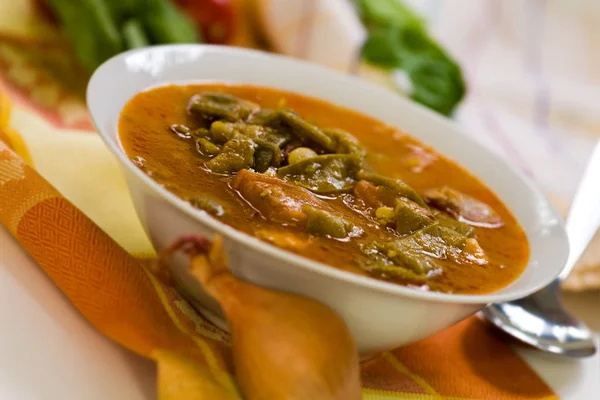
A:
x,y
541,321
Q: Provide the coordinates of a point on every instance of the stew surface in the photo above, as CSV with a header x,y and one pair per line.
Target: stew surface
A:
x,y
327,183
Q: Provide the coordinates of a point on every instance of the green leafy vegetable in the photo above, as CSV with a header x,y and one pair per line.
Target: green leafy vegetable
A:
x,y
100,29
382,47
398,40
165,23
387,12
89,26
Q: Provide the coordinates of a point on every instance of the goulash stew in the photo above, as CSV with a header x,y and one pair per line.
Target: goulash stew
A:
x,y
326,183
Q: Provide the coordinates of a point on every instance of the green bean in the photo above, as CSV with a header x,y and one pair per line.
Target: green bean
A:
x,y
400,187
320,222
411,217
448,222
449,237
215,105
329,173
300,154
345,143
236,154
263,158
222,131
207,148
306,131
398,255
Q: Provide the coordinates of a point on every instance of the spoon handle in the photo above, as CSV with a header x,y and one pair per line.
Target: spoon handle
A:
x,y
584,214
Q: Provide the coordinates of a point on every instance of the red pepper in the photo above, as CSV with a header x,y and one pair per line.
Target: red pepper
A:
x,y
215,18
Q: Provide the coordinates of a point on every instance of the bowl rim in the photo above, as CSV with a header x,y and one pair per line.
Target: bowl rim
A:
x,y
501,295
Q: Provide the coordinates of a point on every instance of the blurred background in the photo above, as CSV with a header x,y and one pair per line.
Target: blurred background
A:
x,y
520,76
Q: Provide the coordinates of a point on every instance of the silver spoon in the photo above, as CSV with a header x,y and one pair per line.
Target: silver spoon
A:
x,y
540,319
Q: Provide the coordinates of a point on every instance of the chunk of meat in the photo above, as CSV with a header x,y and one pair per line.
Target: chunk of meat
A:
x,y
419,158
275,199
367,192
375,196
463,207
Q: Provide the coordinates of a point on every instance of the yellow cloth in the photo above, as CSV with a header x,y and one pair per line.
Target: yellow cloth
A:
x,y
79,167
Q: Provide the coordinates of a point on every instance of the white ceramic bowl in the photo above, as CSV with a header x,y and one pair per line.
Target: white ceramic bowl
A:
x,y
380,315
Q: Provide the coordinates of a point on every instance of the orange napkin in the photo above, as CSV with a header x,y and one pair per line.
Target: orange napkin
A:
x,y
87,249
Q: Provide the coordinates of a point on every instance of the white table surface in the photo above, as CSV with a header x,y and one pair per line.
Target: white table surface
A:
x,y
49,352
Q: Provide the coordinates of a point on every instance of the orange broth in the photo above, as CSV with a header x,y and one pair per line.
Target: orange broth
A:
x,y
144,134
